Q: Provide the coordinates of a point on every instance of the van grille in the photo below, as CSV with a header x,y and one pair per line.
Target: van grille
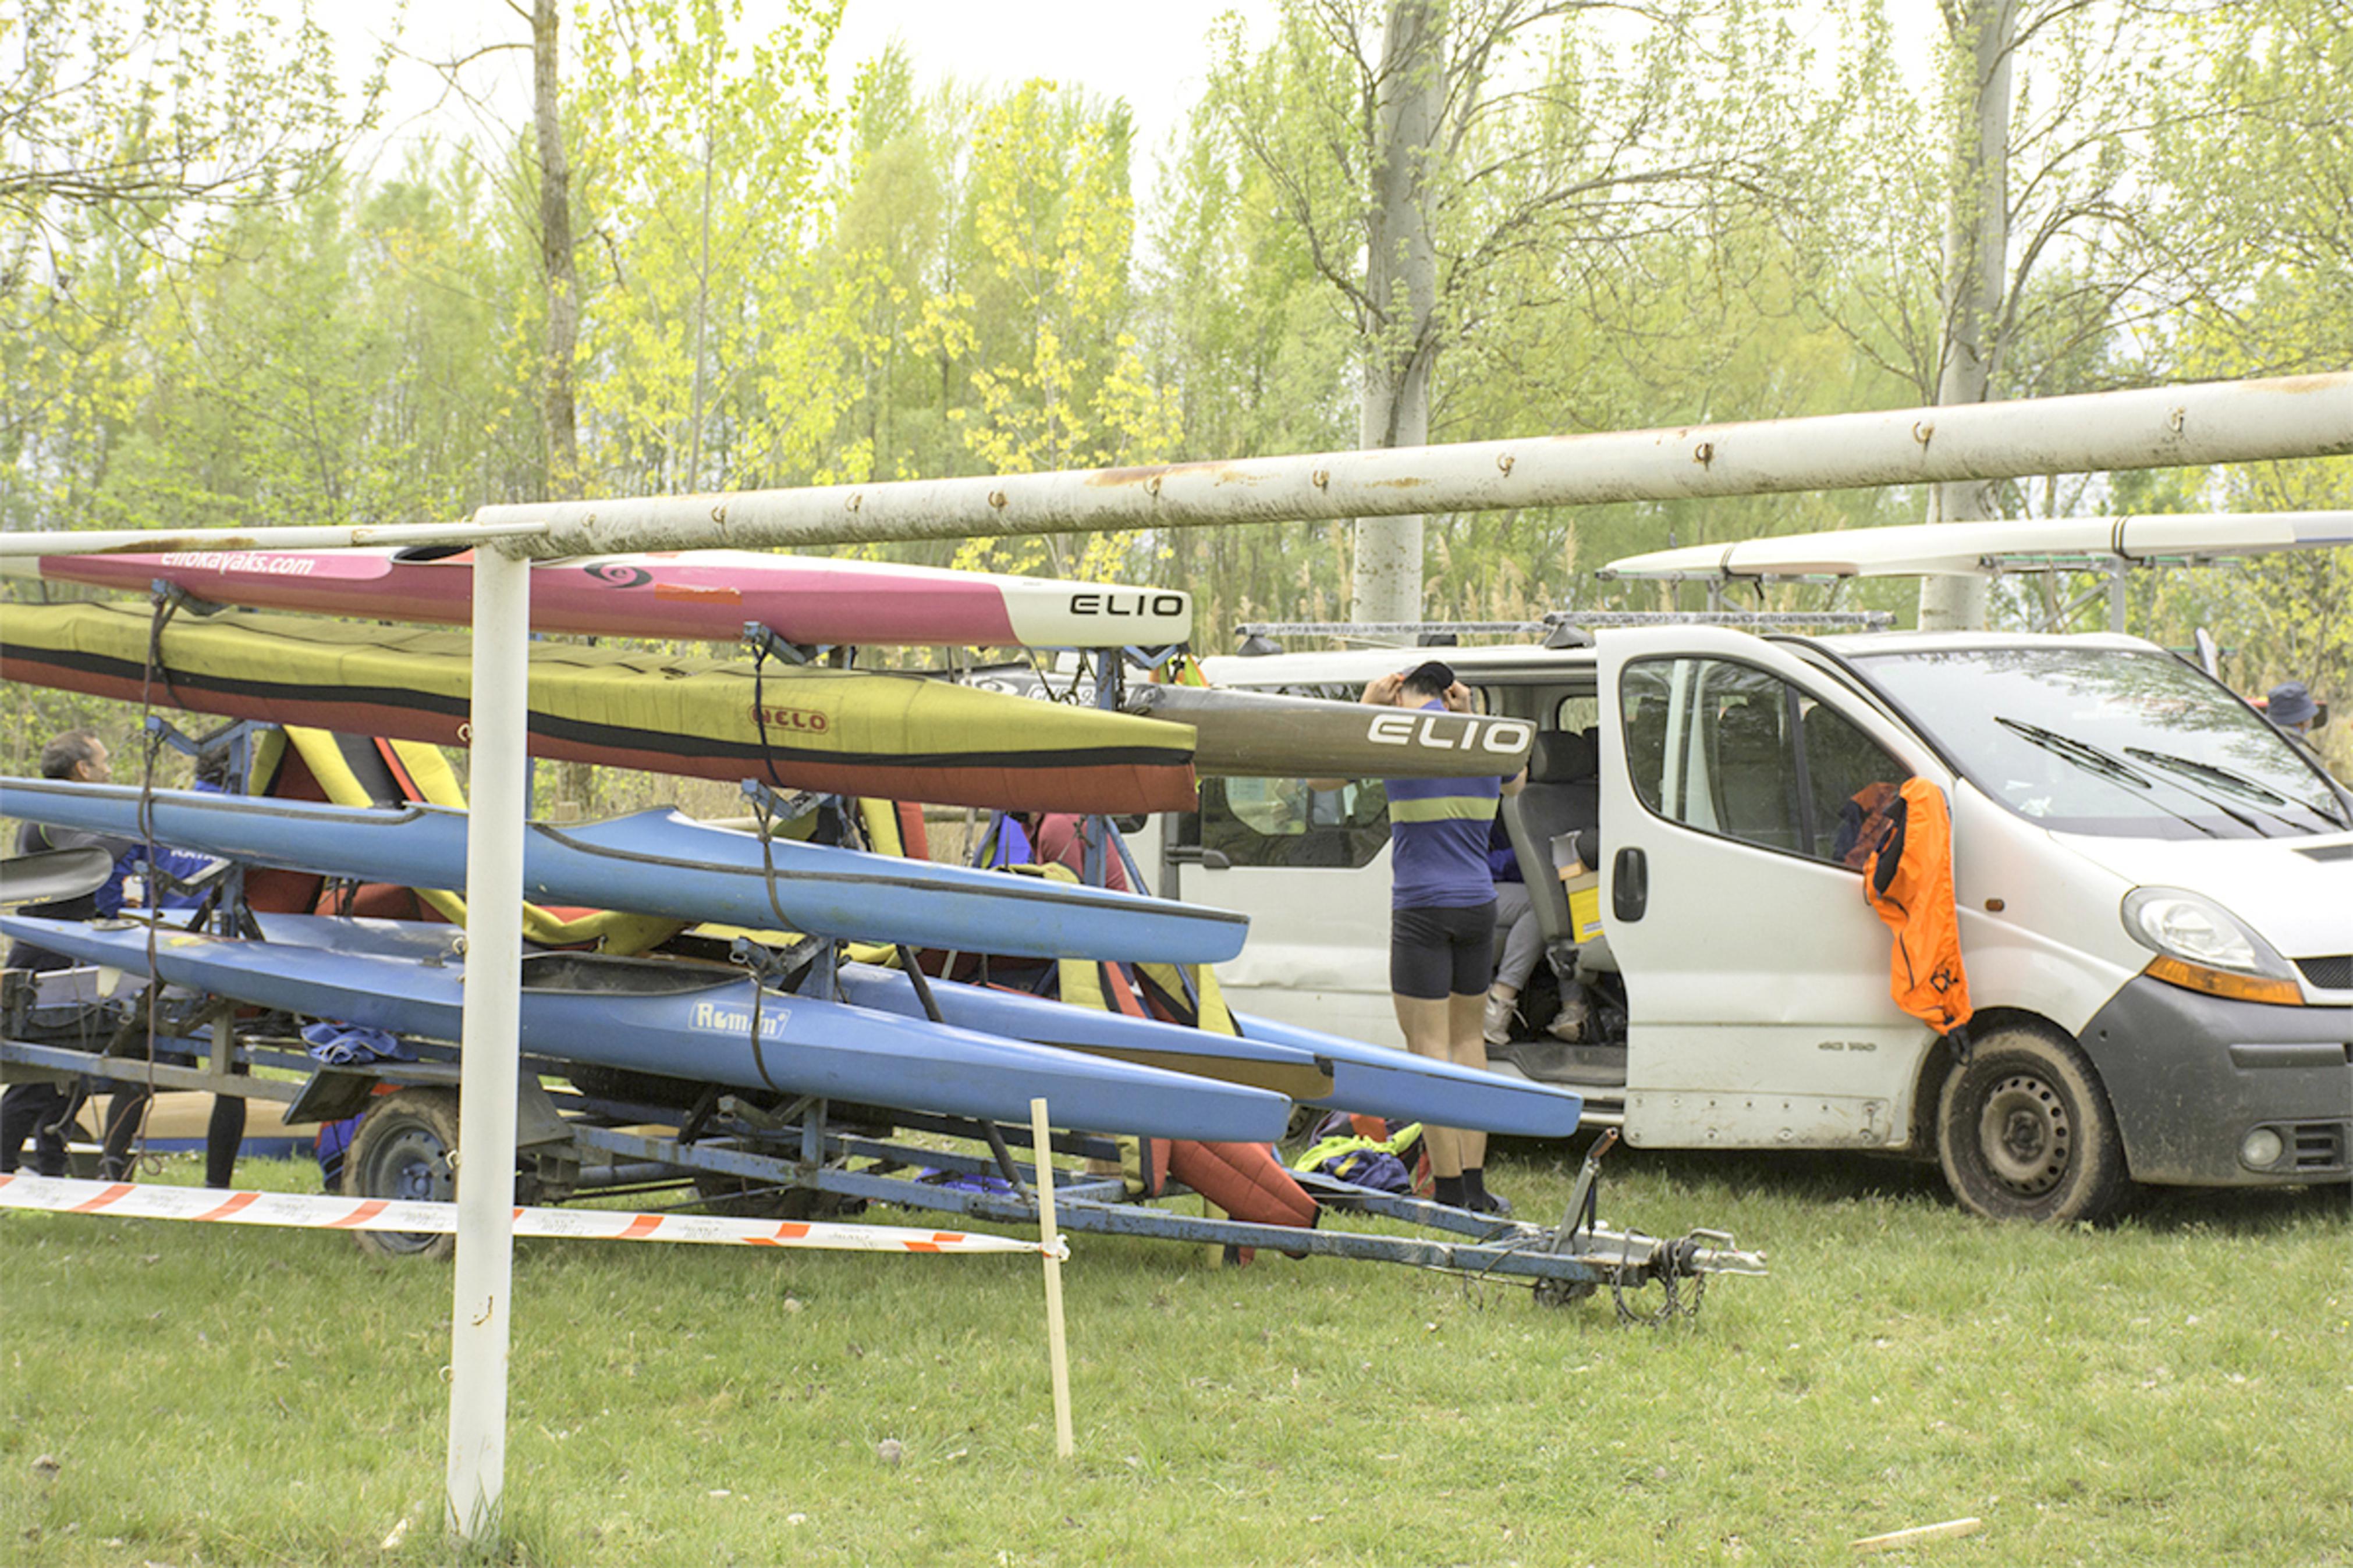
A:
x,y
2329,974
2319,1145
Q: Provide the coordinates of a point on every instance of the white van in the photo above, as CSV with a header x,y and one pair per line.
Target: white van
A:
x,y
2155,899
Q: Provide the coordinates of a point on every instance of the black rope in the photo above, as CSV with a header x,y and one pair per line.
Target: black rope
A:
x,y
760,717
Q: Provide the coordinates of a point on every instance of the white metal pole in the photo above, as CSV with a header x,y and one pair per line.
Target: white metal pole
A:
x,y
2171,426
482,1315
292,536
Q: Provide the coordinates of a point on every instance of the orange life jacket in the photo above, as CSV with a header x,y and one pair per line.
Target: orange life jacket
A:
x,y
1909,881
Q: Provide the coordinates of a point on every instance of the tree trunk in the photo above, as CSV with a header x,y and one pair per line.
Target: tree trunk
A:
x,y
1402,296
562,451
1977,263
575,783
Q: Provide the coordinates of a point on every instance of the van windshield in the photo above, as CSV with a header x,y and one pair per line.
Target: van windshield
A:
x,y
2110,742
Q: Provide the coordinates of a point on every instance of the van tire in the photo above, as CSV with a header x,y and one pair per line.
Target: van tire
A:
x,y
403,1150
2024,1132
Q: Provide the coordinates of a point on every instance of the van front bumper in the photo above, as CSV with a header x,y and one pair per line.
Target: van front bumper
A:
x,y
2193,1079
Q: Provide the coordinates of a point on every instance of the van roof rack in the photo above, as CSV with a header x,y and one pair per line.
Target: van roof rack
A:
x,y
1553,625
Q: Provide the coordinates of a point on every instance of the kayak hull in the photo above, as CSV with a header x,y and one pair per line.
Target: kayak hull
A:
x,y
845,731
697,1023
1257,734
1364,1077
704,595
661,862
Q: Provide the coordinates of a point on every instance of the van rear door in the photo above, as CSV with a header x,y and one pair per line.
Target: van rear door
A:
x,y
1741,788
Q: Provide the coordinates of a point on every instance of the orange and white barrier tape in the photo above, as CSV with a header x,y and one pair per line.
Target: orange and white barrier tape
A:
x,y
131,1200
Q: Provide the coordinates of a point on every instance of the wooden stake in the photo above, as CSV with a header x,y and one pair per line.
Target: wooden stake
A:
x,y
1919,1532
1055,1352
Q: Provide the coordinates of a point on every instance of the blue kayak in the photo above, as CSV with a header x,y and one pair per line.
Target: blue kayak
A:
x,y
699,1023
1326,1071
663,863
1374,1080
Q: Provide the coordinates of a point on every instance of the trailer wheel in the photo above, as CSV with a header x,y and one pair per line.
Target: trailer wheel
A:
x,y
2024,1132
402,1151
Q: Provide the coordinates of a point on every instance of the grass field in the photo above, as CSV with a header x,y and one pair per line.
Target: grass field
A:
x,y
2178,1389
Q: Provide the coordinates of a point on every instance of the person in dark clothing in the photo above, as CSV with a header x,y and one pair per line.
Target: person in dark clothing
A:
x,y
41,1110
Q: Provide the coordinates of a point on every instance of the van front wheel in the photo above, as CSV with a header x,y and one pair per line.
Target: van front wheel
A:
x,y
2024,1132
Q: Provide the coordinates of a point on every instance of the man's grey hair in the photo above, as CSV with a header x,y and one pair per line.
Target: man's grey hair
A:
x,y
61,756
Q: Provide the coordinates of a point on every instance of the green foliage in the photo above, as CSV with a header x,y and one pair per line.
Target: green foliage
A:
x,y
700,166
1059,381
1648,226
141,122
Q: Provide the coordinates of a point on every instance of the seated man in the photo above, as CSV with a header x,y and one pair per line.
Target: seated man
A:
x,y
1520,942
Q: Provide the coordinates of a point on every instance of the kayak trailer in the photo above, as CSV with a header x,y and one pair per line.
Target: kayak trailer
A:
x,y
586,1134
587,1131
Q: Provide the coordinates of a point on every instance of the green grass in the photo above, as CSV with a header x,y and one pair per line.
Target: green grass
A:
x,y
2178,1389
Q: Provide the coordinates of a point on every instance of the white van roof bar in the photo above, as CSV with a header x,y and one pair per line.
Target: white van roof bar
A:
x,y
1862,620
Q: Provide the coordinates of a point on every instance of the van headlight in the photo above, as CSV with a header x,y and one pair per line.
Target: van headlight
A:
x,y
2187,925
2203,946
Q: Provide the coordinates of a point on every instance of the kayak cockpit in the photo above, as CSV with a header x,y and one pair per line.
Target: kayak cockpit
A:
x,y
597,974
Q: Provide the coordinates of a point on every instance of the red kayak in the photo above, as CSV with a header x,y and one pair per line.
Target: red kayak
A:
x,y
703,594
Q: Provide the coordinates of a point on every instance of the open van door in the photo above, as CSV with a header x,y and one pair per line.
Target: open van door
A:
x,y
1741,792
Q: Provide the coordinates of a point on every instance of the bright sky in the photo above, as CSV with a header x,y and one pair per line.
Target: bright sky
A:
x,y
1154,55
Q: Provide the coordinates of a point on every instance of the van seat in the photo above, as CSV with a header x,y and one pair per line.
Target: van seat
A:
x,y
1563,795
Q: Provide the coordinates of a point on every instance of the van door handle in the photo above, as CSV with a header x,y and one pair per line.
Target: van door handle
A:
x,y
1630,885
1193,855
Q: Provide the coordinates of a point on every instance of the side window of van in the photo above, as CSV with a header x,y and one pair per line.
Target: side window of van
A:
x,y
1284,822
1577,714
1853,784
1729,749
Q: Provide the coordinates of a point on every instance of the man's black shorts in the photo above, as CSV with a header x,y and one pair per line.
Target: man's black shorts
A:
x,y
1437,952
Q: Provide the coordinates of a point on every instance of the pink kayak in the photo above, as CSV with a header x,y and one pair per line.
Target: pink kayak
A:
x,y
704,595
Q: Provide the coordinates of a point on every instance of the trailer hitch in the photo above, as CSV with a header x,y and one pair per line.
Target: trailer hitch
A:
x,y
1629,1261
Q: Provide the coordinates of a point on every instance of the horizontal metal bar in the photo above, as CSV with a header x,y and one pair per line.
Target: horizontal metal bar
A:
x,y
1504,1248
2171,426
138,1069
309,536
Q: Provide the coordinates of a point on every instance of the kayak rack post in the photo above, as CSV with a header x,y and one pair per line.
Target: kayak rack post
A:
x,y
1057,1354
482,1306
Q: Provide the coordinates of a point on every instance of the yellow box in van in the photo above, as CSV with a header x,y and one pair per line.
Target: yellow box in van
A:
x,y
1584,891
1587,908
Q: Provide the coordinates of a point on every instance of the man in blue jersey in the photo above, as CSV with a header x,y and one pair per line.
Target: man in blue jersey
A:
x,y
1442,921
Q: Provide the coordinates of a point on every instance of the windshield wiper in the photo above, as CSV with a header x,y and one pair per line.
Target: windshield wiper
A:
x,y
2183,765
2094,760
2223,777
2237,783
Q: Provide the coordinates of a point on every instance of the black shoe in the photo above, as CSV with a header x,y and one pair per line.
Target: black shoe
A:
x,y
1495,1204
